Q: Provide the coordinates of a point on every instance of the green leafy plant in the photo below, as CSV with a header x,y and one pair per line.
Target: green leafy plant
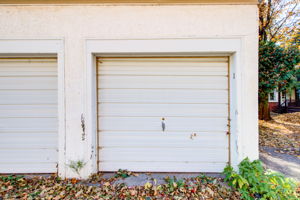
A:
x,y
206,179
76,166
173,184
254,182
122,174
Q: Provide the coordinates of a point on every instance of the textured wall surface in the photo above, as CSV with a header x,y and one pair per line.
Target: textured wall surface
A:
x,y
74,24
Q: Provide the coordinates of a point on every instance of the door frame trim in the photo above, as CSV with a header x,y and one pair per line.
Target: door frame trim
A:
x,y
228,46
29,48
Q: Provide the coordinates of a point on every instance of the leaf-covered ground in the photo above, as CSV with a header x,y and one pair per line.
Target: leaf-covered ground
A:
x,y
201,187
282,133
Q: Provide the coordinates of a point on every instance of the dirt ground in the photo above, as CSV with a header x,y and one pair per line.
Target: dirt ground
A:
x,y
280,144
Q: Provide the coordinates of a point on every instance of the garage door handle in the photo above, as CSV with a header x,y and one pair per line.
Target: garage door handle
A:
x,y
163,124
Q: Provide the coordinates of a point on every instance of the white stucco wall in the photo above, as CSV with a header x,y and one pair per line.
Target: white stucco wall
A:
x,y
75,24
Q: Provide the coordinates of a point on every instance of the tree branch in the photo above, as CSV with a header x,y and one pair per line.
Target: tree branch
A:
x,y
283,22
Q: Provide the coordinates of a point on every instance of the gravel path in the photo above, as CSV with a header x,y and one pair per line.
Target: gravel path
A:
x,y
286,164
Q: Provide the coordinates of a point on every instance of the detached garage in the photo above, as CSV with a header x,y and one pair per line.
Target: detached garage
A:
x,y
28,115
141,85
163,114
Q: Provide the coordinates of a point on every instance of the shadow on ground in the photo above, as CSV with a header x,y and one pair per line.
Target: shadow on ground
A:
x,y
288,165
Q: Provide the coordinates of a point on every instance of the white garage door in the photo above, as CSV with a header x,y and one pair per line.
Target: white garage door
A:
x,y
135,94
28,115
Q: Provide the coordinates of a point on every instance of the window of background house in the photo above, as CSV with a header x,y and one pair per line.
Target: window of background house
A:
x,y
272,96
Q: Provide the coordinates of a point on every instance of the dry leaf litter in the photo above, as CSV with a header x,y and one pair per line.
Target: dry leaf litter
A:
x,y
96,187
281,133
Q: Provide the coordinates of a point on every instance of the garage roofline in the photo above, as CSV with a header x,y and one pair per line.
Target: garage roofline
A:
x,y
128,2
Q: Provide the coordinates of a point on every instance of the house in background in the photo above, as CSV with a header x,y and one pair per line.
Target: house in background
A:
x,y
142,85
286,101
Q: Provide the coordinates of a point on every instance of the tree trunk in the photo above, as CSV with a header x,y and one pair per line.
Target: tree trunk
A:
x,y
279,97
285,102
264,110
297,97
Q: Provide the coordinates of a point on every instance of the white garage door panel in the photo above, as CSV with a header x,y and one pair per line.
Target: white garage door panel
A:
x,y
180,82
163,166
15,67
28,83
28,97
163,60
190,93
167,139
28,110
163,154
31,123
28,155
158,110
162,96
162,63
159,68
28,115
21,73
30,167
24,140
154,124
29,64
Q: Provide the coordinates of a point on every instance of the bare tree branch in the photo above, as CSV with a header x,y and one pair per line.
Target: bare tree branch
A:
x,y
277,19
283,22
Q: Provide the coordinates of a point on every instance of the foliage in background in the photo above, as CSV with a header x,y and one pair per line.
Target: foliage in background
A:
x,y
276,67
279,21
253,182
276,71
279,36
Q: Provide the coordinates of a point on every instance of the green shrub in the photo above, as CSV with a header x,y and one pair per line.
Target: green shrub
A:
x,y
253,182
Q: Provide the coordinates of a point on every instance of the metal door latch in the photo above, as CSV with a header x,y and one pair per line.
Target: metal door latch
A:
x,y
83,128
193,135
163,124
